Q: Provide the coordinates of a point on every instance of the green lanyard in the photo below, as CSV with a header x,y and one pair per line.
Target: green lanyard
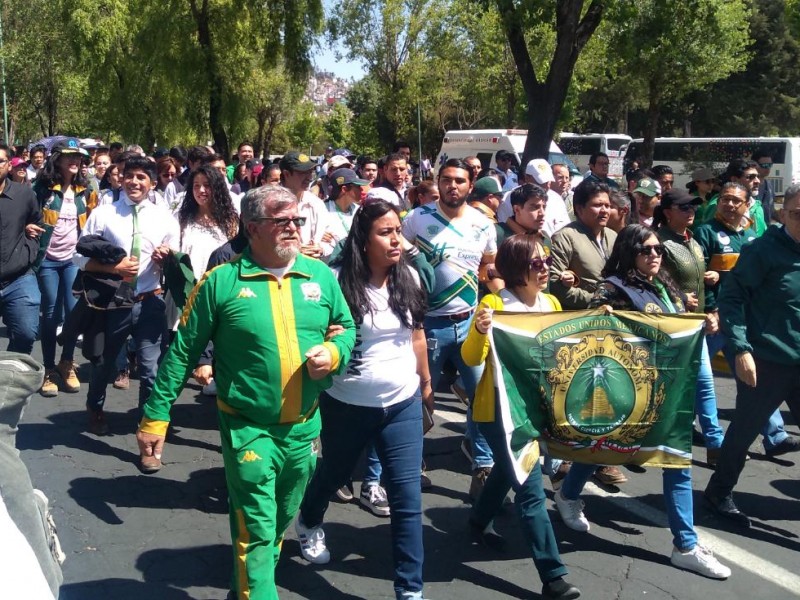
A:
x,y
662,292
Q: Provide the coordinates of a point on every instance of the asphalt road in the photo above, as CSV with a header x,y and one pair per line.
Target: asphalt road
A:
x,y
165,536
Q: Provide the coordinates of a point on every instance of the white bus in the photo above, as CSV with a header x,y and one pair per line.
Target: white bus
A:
x,y
580,147
685,155
484,143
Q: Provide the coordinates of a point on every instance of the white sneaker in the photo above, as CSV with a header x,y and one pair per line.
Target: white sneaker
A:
x,y
312,543
373,498
210,389
700,560
571,512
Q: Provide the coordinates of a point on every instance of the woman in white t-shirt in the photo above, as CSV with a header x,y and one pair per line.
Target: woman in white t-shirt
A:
x,y
373,401
207,219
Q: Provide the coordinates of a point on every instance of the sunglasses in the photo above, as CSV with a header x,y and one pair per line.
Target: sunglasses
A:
x,y
283,222
648,250
685,207
540,264
765,165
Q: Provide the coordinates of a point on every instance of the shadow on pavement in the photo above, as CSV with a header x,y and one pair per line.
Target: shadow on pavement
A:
x,y
204,491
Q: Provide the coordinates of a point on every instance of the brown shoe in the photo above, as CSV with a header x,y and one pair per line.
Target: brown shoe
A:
x,y
609,476
479,477
712,457
69,377
49,387
123,380
150,464
97,422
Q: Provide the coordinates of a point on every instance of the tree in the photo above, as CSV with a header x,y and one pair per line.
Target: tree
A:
x,y
337,128
762,98
667,51
546,89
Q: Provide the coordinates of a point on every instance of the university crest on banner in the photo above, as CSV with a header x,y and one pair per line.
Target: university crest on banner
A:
x,y
597,388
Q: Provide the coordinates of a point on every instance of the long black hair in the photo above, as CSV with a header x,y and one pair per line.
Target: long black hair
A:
x,y
622,261
221,207
50,175
405,295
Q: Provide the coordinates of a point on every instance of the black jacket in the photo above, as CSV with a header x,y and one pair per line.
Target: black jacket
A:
x,y
18,208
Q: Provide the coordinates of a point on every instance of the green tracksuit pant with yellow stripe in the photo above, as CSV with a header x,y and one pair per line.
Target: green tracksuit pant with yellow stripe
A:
x,y
267,470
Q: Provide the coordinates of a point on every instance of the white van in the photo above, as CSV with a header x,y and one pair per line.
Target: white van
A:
x,y
580,147
485,143
685,155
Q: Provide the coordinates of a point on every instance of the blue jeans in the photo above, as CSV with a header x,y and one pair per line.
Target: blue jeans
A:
x,y
147,323
373,470
705,402
444,342
774,431
530,502
677,496
55,282
19,307
396,432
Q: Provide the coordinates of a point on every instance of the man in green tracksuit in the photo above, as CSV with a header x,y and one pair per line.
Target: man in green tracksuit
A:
x,y
267,312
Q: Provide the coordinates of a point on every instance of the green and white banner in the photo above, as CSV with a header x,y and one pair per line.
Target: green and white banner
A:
x,y
598,388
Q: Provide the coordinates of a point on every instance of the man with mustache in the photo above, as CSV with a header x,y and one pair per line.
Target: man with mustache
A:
x,y
266,312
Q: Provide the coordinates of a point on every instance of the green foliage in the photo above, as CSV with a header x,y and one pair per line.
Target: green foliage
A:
x,y
337,130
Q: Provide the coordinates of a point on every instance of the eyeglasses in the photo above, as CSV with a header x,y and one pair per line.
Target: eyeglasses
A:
x,y
540,264
283,222
685,207
765,165
734,200
648,250
751,176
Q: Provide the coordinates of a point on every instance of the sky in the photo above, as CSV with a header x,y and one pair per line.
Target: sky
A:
x,y
325,60
324,57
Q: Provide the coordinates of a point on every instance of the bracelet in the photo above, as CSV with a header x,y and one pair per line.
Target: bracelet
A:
x,y
425,381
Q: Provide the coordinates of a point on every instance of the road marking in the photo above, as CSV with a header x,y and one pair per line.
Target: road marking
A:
x,y
734,554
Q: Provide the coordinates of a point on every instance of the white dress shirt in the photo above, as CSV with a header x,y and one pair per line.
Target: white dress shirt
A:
x,y
114,222
316,214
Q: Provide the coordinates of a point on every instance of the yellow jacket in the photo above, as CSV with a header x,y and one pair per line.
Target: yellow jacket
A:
x,y
475,351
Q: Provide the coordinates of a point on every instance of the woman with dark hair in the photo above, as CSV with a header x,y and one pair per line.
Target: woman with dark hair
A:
x,y
684,261
524,265
270,175
166,172
425,193
241,178
634,280
63,196
206,216
110,184
374,400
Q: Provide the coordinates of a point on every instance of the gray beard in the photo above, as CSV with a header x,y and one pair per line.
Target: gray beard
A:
x,y
287,252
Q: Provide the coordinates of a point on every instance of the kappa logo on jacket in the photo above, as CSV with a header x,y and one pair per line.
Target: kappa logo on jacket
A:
x,y
311,291
246,292
249,456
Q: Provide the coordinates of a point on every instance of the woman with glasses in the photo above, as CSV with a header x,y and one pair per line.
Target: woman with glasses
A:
x,y
373,401
524,265
634,280
683,260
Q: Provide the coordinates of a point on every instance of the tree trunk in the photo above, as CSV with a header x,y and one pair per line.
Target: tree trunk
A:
x,y
261,119
651,126
216,93
546,99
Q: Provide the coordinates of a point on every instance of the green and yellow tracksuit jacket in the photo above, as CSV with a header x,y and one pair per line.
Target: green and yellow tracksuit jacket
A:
x,y
261,328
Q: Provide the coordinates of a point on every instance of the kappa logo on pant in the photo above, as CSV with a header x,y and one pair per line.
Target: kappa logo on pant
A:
x,y
249,456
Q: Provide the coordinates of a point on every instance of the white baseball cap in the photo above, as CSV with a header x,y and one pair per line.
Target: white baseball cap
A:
x,y
540,170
